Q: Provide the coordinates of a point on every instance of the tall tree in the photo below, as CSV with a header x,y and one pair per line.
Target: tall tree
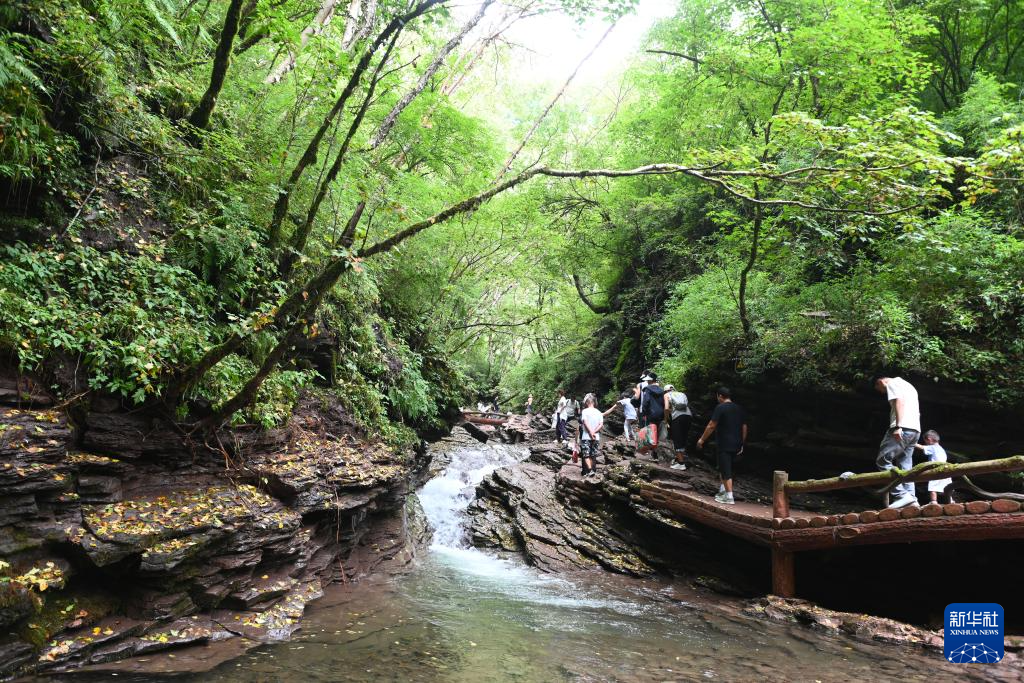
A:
x,y
200,117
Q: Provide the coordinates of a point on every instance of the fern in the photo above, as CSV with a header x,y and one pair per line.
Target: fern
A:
x,y
160,19
14,67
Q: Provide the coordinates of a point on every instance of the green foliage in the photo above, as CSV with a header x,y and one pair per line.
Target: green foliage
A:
x,y
125,320
136,244
275,399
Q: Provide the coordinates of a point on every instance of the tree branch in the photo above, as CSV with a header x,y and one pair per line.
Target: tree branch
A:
x,y
599,309
695,60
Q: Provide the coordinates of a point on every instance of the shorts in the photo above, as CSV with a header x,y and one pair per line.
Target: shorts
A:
x,y
589,448
726,459
680,431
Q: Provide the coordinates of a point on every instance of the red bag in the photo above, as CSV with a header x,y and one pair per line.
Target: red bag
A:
x,y
647,439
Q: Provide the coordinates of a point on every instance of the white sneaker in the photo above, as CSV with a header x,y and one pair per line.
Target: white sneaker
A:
x,y
678,466
903,501
721,489
725,498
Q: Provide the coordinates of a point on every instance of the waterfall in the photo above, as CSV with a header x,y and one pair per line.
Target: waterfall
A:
x,y
446,496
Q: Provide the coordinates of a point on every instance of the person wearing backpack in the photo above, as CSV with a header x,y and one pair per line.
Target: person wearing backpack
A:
x,y
652,409
677,406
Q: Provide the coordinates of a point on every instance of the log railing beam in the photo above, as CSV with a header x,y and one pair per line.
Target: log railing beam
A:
x,y
926,471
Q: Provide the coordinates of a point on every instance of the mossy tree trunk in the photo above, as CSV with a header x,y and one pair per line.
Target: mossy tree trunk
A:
x,y
200,117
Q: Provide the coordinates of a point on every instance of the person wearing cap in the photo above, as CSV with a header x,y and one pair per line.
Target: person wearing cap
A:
x,y
652,407
588,435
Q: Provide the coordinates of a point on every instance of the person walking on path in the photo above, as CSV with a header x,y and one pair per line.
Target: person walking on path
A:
x,y
677,407
573,411
629,415
589,433
729,425
561,416
652,408
935,453
529,405
897,447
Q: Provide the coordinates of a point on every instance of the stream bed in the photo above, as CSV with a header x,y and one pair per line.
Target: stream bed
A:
x,y
462,615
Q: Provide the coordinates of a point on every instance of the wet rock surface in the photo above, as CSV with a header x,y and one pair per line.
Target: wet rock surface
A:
x,y
123,539
556,518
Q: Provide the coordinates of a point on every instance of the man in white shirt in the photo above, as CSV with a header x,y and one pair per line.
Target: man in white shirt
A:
x,y
897,447
591,422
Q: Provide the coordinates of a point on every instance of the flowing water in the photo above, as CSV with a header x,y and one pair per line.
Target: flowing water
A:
x,y
462,615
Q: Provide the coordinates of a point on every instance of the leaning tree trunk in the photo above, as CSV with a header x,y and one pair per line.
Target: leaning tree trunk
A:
x,y
442,54
301,236
320,22
309,156
200,117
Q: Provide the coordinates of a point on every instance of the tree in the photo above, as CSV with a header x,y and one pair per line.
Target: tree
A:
x,y
200,117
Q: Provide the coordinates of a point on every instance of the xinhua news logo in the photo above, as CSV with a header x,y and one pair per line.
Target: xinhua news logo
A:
x,y
973,633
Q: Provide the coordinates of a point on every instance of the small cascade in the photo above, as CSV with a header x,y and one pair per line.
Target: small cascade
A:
x,y
446,497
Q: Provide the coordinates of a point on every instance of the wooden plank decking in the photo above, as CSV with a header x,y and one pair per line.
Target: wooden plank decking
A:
x,y
801,530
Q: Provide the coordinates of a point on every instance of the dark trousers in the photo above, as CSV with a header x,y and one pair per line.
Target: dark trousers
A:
x,y
680,431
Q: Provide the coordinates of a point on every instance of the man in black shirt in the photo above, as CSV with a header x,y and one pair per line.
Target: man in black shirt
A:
x,y
730,424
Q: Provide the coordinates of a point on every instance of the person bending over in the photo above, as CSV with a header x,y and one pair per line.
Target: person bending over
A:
x,y
897,447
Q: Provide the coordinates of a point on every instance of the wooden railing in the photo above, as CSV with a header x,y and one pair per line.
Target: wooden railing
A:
x,y
783,568
782,488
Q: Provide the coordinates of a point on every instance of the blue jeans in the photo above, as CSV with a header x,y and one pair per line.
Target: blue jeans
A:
x,y
899,454
560,429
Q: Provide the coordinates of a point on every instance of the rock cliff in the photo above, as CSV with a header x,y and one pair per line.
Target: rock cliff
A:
x,y
119,537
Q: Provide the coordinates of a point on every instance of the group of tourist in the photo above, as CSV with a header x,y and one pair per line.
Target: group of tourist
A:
x,y
649,409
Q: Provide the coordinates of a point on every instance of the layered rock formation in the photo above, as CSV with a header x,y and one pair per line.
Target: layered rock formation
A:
x,y
558,520
120,537
623,520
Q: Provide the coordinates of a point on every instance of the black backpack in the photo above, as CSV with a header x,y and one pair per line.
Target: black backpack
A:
x,y
655,408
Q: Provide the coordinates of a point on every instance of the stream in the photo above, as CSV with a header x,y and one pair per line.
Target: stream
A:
x,y
462,615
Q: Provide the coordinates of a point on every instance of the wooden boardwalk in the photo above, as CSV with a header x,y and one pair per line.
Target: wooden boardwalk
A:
x,y
977,520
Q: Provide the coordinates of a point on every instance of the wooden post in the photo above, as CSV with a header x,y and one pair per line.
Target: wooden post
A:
x,y
783,573
780,501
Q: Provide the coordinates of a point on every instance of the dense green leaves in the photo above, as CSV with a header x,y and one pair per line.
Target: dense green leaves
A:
x,y
852,200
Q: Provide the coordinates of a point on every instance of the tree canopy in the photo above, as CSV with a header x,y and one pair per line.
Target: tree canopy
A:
x,y
211,207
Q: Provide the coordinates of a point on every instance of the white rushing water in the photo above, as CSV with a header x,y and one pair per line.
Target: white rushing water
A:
x,y
445,499
446,496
